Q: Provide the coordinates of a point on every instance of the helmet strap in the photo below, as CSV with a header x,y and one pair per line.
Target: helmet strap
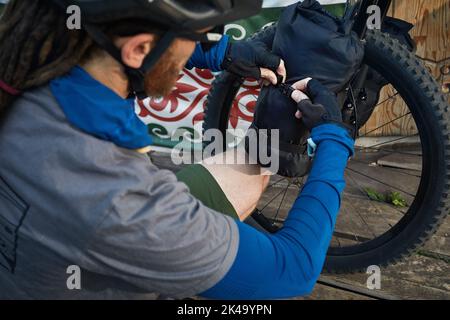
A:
x,y
135,76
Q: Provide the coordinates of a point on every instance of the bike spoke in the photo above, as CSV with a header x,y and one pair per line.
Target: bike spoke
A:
x,y
379,181
270,201
275,183
375,146
390,169
282,199
386,124
386,150
352,237
357,211
401,171
370,200
387,99
363,114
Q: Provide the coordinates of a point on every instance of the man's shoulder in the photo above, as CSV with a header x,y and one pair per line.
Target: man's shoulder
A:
x,y
37,118
61,161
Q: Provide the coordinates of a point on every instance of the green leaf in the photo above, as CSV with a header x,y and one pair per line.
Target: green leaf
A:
x,y
397,200
374,195
394,198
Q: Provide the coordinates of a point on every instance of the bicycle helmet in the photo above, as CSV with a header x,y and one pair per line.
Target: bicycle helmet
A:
x,y
178,18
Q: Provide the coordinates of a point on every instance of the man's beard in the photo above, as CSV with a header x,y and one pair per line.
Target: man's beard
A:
x,y
161,80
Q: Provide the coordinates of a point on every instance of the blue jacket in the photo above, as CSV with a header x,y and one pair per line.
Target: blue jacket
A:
x,y
211,59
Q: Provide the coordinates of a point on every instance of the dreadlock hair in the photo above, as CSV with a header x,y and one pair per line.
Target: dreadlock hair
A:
x,y
36,46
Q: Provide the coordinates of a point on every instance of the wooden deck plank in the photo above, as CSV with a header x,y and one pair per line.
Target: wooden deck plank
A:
x,y
417,277
324,292
440,241
410,162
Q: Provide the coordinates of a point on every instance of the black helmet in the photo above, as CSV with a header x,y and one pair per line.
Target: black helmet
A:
x,y
178,18
177,14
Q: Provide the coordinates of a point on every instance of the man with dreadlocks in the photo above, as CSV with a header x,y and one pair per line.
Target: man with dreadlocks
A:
x,y
77,191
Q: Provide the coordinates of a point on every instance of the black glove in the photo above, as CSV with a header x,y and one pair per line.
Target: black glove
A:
x,y
322,108
245,59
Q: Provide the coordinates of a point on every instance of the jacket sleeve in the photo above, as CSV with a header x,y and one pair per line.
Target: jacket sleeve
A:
x,y
155,236
288,263
211,59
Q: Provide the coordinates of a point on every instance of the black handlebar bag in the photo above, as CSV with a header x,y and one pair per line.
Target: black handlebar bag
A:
x,y
315,44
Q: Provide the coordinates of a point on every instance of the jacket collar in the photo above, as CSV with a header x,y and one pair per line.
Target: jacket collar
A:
x,y
97,110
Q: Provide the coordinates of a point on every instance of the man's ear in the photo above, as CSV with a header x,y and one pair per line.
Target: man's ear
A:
x,y
136,48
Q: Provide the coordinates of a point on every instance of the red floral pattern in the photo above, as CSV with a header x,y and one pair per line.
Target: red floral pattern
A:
x,y
187,101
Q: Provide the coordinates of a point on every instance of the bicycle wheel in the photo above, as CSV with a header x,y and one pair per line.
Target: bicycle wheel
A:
x,y
397,188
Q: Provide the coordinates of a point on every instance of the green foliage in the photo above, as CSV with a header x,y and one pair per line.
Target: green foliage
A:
x,y
394,198
374,195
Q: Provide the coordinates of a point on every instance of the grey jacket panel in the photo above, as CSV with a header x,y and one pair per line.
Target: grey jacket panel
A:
x,y
68,198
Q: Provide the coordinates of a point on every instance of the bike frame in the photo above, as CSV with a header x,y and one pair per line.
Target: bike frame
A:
x,y
356,10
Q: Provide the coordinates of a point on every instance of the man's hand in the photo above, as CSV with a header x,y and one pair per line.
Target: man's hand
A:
x,y
316,104
253,60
